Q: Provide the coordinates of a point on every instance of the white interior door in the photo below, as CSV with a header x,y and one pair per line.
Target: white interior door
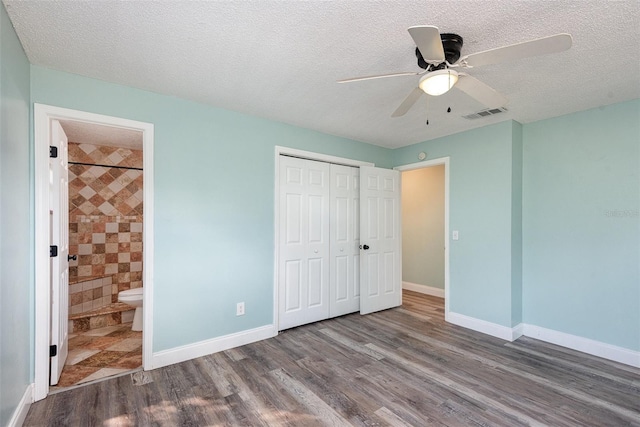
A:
x,y
303,270
345,238
59,208
380,240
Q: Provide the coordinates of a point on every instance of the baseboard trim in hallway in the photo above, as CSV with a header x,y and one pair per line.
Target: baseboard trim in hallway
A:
x,y
423,289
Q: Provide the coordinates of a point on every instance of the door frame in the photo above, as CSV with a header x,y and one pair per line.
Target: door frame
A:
x,y
43,115
425,164
309,155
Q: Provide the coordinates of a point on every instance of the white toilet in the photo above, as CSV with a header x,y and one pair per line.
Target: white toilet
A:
x,y
133,297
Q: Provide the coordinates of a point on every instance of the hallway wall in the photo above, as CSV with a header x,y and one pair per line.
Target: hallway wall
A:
x,y
423,226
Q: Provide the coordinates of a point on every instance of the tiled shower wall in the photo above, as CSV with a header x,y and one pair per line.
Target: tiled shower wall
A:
x,y
105,215
90,294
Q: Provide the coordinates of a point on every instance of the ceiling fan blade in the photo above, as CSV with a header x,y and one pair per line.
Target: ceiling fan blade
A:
x,y
408,102
545,45
481,92
428,40
379,76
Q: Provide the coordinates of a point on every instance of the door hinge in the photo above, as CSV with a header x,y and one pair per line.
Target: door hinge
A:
x,y
53,152
53,251
53,350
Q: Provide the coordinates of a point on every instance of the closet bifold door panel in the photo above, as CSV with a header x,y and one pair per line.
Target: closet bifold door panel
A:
x,y
344,227
303,270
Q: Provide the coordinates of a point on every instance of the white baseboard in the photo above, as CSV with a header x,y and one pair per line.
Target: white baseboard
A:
x,y
423,289
574,342
202,348
517,331
20,414
585,345
493,329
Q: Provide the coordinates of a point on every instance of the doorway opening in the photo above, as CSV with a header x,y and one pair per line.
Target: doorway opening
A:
x,y
93,178
105,194
425,228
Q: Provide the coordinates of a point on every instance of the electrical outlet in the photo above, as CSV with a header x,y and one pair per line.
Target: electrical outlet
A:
x,y
240,309
456,236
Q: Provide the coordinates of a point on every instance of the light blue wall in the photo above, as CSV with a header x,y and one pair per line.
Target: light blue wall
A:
x,y
581,226
481,210
214,192
15,285
516,225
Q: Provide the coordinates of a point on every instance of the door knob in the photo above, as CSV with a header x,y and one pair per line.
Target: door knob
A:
x,y
72,257
365,247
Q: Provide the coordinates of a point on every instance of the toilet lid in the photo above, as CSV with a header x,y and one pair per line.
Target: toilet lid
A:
x,y
131,292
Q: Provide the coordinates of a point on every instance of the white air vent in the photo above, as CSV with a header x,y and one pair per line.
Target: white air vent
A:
x,y
485,113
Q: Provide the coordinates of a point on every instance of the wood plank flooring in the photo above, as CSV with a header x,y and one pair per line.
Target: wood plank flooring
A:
x,y
400,367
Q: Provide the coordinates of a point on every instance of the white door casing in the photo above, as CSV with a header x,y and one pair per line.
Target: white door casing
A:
x,y
380,240
345,238
59,208
43,117
425,164
304,242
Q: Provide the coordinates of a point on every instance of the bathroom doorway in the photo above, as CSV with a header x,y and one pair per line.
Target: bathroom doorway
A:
x,y
110,188
105,195
425,225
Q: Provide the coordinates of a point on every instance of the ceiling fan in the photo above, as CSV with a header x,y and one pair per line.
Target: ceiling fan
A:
x,y
440,54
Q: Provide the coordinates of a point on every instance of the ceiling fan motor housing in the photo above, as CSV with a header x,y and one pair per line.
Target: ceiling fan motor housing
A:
x,y
452,45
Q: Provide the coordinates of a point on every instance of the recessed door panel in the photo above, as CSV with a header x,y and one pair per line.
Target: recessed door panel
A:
x,y
373,261
355,271
293,206
372,214
293,175
389,268
292,285
388,184
389,218
341,225
316,219
372,182
341,277
315,282
342,181
317,175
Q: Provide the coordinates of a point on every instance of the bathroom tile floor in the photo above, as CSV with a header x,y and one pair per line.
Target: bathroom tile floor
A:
x,y
100,353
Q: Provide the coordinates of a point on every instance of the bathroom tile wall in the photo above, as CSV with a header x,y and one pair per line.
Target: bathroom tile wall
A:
x,y
105,215
90,294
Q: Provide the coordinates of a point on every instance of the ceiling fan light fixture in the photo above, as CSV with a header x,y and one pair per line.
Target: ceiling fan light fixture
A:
x,y
438,82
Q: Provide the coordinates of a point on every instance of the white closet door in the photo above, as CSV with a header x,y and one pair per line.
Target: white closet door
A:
x,y
345,238
304,242
380,256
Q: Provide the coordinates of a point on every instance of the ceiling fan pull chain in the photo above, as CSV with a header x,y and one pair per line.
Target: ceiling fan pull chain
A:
x,y
427,102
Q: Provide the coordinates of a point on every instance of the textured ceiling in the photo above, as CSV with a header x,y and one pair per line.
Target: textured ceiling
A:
x,y
95,134
281,59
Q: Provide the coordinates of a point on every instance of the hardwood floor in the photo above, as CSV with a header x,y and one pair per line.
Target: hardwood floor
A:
x,y
400,367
